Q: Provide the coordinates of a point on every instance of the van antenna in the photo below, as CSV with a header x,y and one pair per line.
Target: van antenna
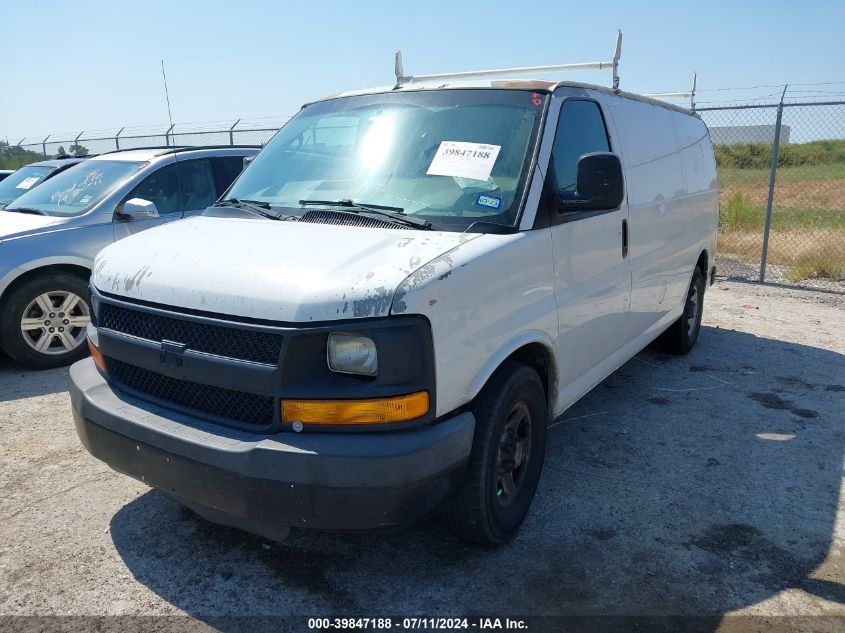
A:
x,y
402,79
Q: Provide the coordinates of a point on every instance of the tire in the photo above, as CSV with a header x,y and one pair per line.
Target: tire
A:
x,y
511,415
681,336
55,301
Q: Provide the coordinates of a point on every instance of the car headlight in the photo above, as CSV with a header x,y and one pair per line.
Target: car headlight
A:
x,y
352,354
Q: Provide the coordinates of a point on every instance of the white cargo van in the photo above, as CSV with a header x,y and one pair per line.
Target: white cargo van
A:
x,y
398,293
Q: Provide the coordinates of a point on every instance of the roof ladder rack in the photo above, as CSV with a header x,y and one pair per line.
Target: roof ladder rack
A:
x,y
402,79
678,95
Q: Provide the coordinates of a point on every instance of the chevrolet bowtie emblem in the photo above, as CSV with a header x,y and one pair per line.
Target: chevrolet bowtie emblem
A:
x,y
171,353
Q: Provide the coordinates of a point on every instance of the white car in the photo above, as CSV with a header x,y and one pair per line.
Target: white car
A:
x,y
405,286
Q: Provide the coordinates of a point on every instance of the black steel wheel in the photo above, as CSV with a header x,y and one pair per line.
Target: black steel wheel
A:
x,y
682,335
509,444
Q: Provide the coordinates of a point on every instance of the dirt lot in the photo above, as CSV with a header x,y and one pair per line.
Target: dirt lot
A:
x,y
707,485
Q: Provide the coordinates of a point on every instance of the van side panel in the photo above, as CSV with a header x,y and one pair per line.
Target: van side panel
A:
x,y
671,211
702,188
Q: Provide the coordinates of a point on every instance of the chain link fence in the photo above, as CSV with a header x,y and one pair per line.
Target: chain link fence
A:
x,y
781,180
239,132
781,191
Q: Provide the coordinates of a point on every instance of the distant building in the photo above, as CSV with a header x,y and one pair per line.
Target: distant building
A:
x,y
736,134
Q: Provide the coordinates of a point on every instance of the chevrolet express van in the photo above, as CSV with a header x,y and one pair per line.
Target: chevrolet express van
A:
x,y
392,301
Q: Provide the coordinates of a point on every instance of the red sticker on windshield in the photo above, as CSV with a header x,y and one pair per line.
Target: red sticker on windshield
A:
x,y
536,99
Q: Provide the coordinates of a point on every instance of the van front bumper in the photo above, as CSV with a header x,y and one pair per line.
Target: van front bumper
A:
x,y
267,483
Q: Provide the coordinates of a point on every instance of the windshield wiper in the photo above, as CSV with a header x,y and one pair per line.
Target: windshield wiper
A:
x,y
256,206
395,213
26,210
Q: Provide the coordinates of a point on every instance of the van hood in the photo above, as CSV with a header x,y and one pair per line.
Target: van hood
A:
x,y
13,224
264,269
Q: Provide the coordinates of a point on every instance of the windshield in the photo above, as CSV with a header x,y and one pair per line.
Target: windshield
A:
x,y
77,189
18,183
453,157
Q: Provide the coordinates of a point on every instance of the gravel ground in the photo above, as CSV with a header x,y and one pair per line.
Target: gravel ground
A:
x,y
707,485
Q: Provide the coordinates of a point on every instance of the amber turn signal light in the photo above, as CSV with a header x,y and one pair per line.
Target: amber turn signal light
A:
x,y
375,411
99,361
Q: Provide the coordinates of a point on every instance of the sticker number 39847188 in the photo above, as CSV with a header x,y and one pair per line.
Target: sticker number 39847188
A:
x,y
464,160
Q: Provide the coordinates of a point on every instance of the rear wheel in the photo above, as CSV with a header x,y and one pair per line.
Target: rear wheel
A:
x,y
44,321
506,460
680,338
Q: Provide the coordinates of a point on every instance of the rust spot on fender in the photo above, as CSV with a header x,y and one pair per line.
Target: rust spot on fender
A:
x,y
373,304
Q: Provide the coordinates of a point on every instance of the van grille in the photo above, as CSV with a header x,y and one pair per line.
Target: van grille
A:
x,y
243,407
251,345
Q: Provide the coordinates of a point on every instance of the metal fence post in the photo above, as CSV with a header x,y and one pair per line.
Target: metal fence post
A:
x,y
44,145
76,140
232,132
772,172
117,138
167,135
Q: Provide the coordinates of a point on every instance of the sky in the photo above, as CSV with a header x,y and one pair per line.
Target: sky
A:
x,y
91,64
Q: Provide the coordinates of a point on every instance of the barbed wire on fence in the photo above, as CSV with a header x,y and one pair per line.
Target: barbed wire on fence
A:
x,y
252,131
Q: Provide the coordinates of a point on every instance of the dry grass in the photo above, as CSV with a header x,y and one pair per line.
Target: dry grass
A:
x,y
807,186
825,194
808,218
814,266
806,255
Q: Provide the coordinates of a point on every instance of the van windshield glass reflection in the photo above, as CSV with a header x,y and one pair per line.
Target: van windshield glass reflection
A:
x,y
453,157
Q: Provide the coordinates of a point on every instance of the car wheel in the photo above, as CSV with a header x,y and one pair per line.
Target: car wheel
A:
x,y
44,321
680,338
504,467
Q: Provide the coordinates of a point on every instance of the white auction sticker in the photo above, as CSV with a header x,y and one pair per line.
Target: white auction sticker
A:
x,y
26,183
464,160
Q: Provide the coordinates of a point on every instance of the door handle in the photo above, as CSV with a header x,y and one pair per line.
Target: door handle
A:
x,y
624,239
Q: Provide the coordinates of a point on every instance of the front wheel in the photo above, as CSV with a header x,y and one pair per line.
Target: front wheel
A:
x,y
504,467
44,321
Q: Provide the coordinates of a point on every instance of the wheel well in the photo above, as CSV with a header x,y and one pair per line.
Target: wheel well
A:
x,y
539,357
79,271
702,264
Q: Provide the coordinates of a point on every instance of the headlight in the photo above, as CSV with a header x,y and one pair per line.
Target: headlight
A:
x,y
352,354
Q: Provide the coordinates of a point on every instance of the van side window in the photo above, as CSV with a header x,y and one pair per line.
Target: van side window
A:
x,y
580,130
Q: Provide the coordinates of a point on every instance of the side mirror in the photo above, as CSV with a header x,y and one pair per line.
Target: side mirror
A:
x,y
137,209
599,184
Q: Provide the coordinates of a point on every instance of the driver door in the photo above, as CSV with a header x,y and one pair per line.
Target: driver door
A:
x,y
592,273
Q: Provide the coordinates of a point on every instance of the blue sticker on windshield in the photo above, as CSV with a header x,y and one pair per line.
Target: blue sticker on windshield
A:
x,y
492,202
